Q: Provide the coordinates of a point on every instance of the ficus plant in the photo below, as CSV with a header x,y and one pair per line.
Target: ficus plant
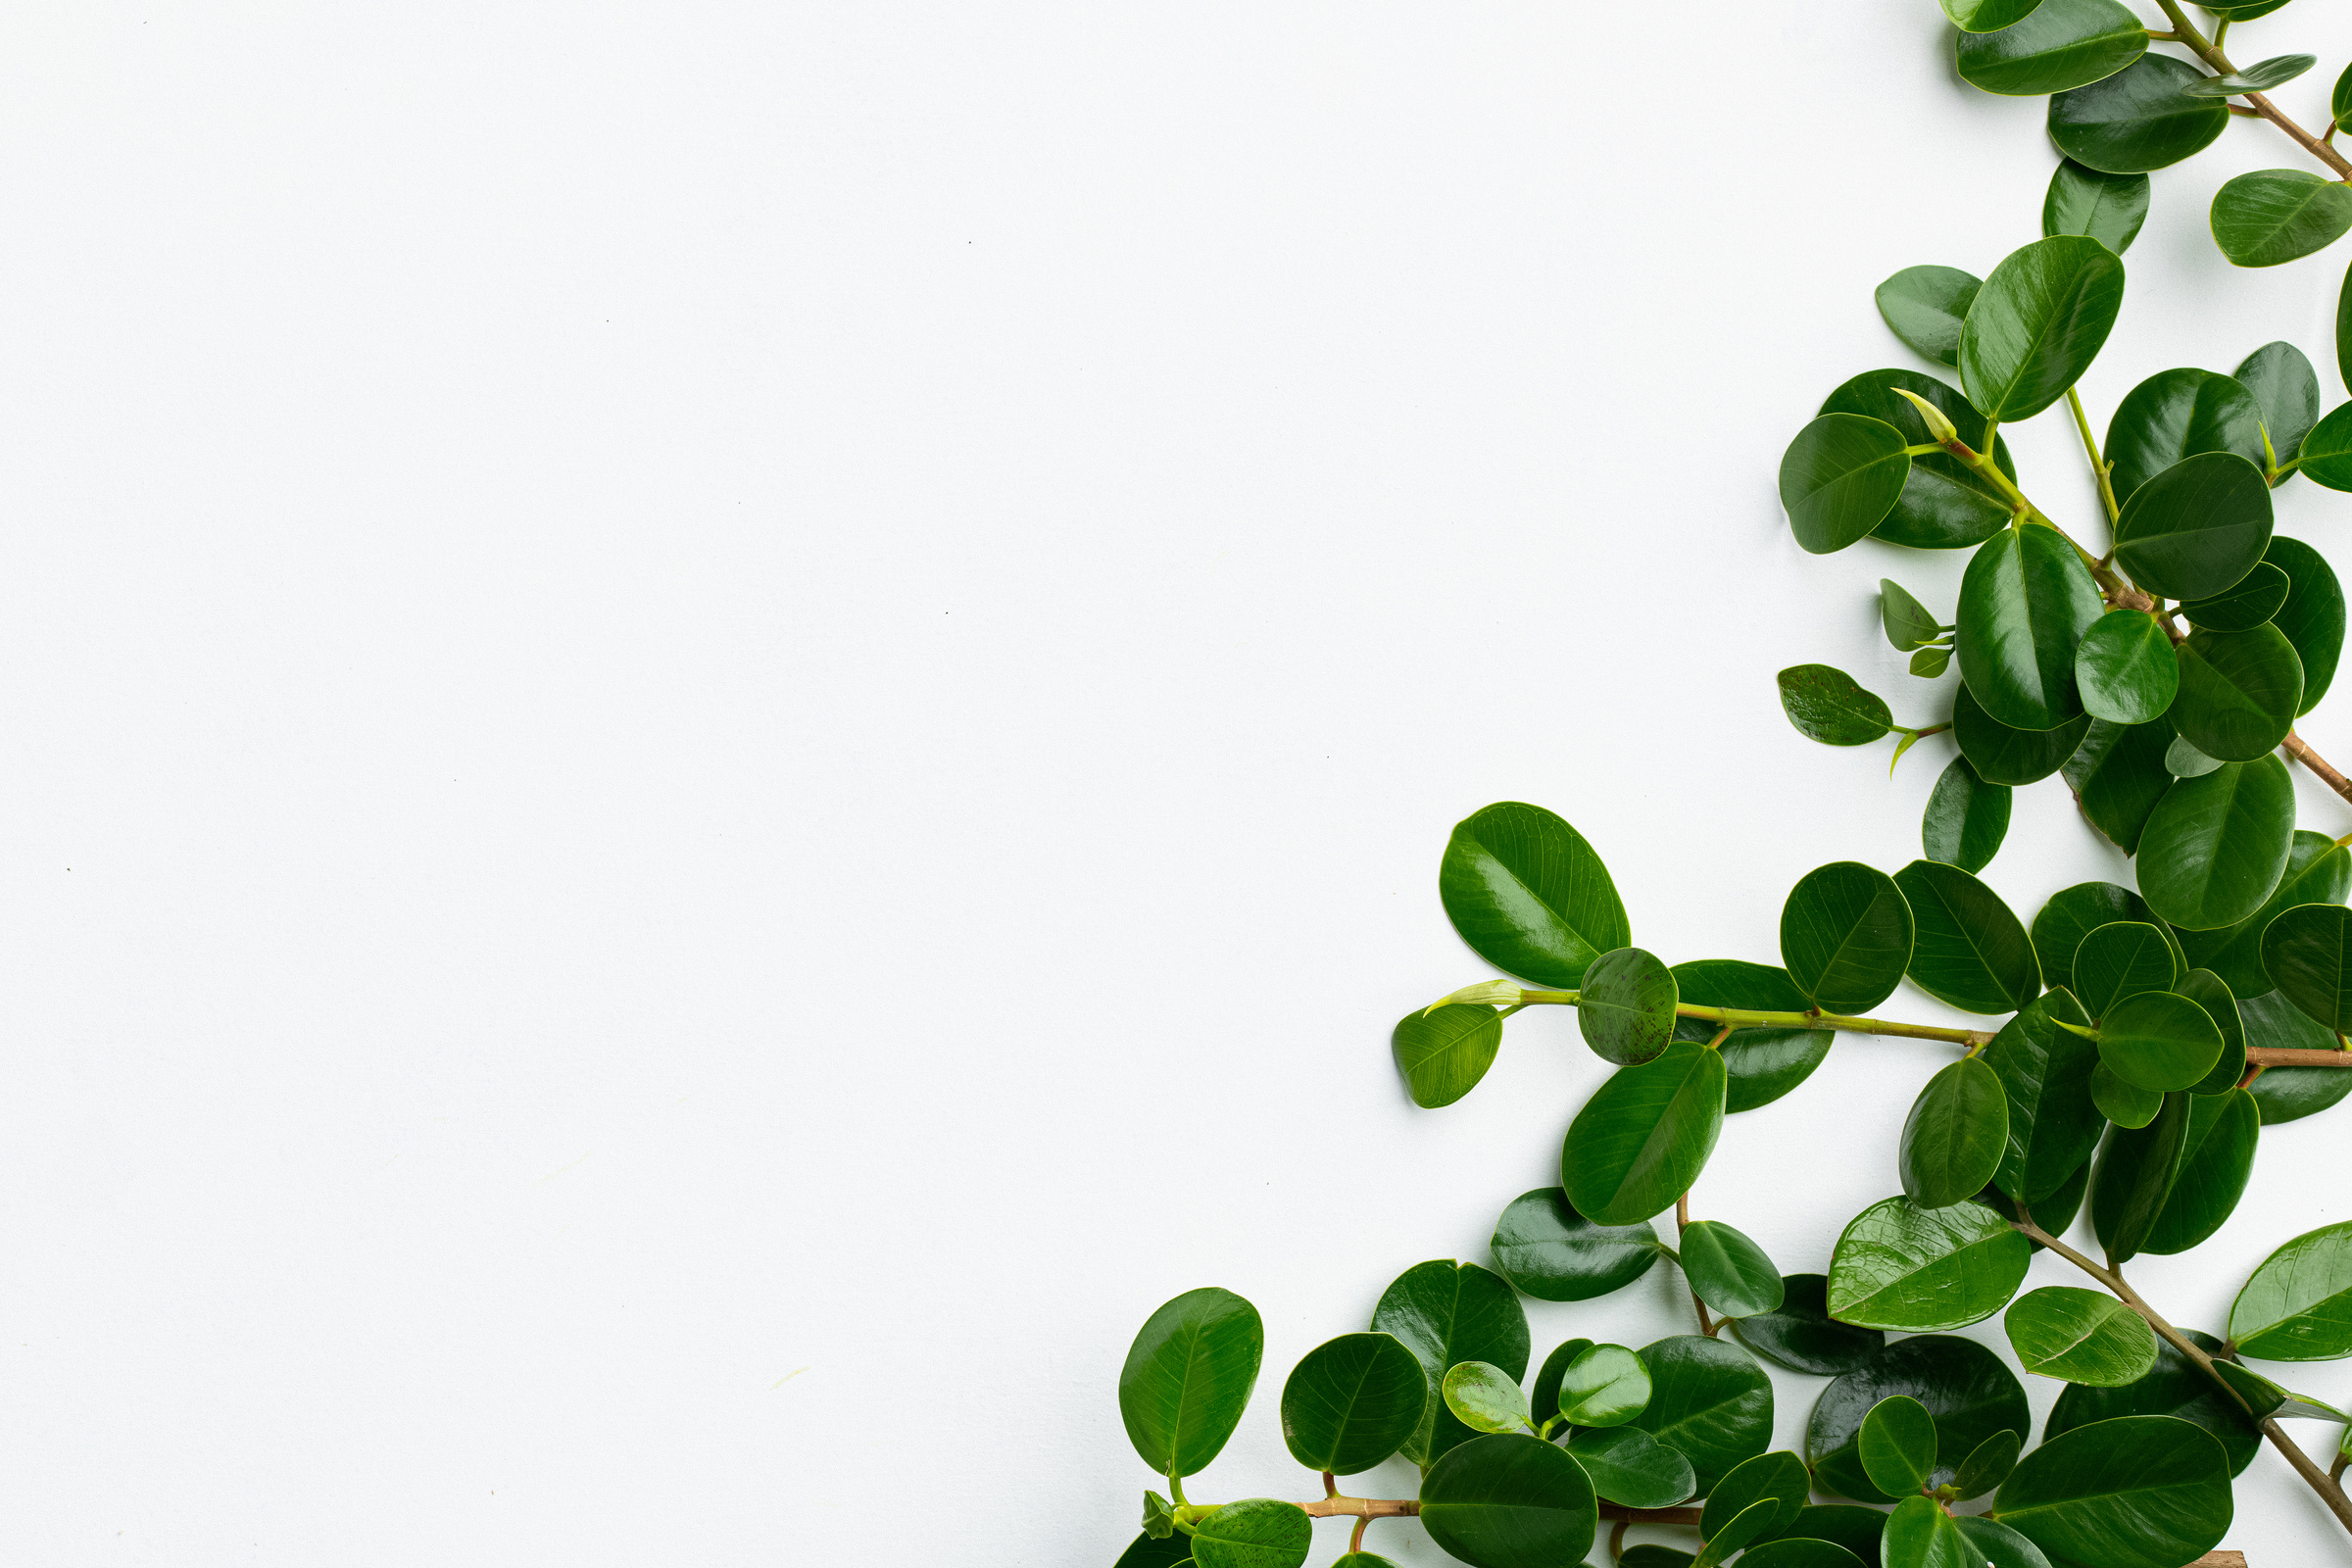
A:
x,y
2134,1041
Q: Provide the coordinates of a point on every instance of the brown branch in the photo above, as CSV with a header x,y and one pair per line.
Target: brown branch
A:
x,y
1409,1507
2300,750
2211,53
1682,1217
2281,1057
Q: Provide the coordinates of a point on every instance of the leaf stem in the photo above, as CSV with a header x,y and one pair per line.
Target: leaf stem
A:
x,y
1682,1217
2211,53
1345,1507
2117,591
2100,467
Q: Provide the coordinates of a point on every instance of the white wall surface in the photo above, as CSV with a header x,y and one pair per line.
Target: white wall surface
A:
x,y
726,725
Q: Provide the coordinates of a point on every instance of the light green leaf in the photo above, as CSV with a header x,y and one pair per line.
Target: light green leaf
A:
x,y
1255,1532
2062,1331
1901,1267
1923,306
1482,1396
1444,1051
1606,1386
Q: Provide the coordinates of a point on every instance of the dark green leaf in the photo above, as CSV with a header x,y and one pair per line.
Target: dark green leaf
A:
x,y
2223,1131
2283,382
2279,214
1969,950
2063,44
2135,1492
1901,1267
2176,415
2298,1304
2004,755
2045,1073
1955,1135
1923,306
2316,872
1528,894
1988,1465
2173,1387
1642,1140
1255,1532
2304,952
1709,1401
1447,1313
1779,1476
1840,477
2121,960
1946,505
1728,1271
2240,692
1897,1445
1987,15
1966,819
1187,1377
2040,318
2215,847
1749,1524
1857,1530
1801,1334
1845,937
2125,668
1826,705
1353,1402
2026,602
1761,1064
1626,1006
2205,987
2137,1170
2257,596
1544,1403
1482,1398
1554,1254
1797,1551
1654,1557
2125,1105
2159,1041
2313,616
2073,914
1920,1535
1631,1467
2264,1399
1509,1502
1606,1386
1147,1552
2118,773
2328,450
1905,619
2062,1331
2125,125
1965,1386
2195,528
1993,1544
2260,76
1444,1051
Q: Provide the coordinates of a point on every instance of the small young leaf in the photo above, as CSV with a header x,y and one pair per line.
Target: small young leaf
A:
x,y
1728,1271
1929,663
1906,620
2183,759
1444,1051
1482,1398
1625,1008
1897,1445
1966,819
1826,705
2260,76
1923,306
1606,1386
1987,1465
2287,388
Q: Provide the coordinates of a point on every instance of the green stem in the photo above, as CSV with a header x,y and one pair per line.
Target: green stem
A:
x,y
2117,591
2099,465
2218,63
1746,1019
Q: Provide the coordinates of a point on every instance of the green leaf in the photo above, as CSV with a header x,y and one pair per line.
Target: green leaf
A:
x,y
2073,914
2117,774
1750,1523
2106,207
1147,1552
1931,662
1482,1398
2257,596
2240,692
2183,759
1606,1386
1987,1465
1509,1502
1626,1006
2135,1492
1543,1403
2205,987
2328,450
1643,1137
1361,1559
2042,316
1629,1466
1187,1377
1902,1266
1964,1386
1946,505
2173,1386
1353,1402
1255,1532
1444,1051
2063,44
1994,1544
1840,477
2318,871
1760,1064
1987,15
2004,755
1920,1535
1969,950
1845,937
1159,1517
1923,306
2136,1174
1554,1254
2128,123
1955,1135
2215,847
2176,415
1826,705
2045,1074
2298,1304
1447,1313
2287,388
1966,819
1897,1445
1801,1332
1728,1271
2125,668
2313,616
2122,960
1528,894
1709,1401
2216,1161
1779,1478
2025,601
2279,214
2260,76
2159,1041
2125,1105
2196,528
1655,1557
2062,1331
1797,1551
2304,952
1906,620
2265,1398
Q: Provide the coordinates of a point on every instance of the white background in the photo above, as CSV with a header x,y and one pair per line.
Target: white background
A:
x,y
727,725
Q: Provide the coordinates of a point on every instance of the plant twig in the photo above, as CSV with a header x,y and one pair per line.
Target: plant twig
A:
x,y
2300,750
1682,1217
2100,467
1345,1507
2210,51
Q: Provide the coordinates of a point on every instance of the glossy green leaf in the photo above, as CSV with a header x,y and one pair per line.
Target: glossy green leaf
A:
x,y
1255,1532
2081,200
2328,450
1826,705
1931,662
2136,1174
1954,1137
1353,1402
2135,1492
1987,1465
1447,1313
2128,123
2125,668
2258,596
2073,914
2125,1105
2159,1041
1629,1466
2287,389
1779,1478
1904,619
2119,961
1749,1524
2313,616
1146,1551
1923,306
2195,528
2183,759
2026,602
1840,477
2298,1304
1709,1401
1969,951
1993,1544
1543,1398
1946,505
2264,1399
1797,1551
2042,316
2176,415
1964,1386
1528,896
2118,773
1728,1271
1606,1386
2062,1331
1159,1517
1845,937
2215,847
2279,214
1546,1248
2223,1131
2173,1386
1655,1556
1625,1008
2240,692
2318,871
2063,44
2261,76
1187,1377
1760,1064
1920,1535
2004,755
1856,1530
2045,1074
1966,819
1902,1266
2205,987
1897,1445
1801,1332
1481,1397
1987,15
1642,1140
1509,1502
2305,953
1444,1051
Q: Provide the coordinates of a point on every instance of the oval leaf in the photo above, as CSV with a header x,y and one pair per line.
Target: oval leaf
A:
x,y
2117,774
2045,311
2130,122
1631,1467
2224,1132
2176,415
1901,1267
1642,1140
2026,602
1845,937
2159,1041
1509,1502
1923,306
1255,1532
2215,847
1780,1479
2298,1304
1187,1377
1801,1332
1840,477
1606,1386
2061,45
2195,528
1625,1008
1826,705
2136,1491
1482,1398
2318,871
1760,1064
1554,1254
1728,1271
1966,819
1946,505
2125,668
1897,1445
1953,1140
1969,950
2122,960
1353,1402
2062,1331
2045,1074
2240,692
2004,755
1708,1400
1444,1051
1528,894
2279,214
